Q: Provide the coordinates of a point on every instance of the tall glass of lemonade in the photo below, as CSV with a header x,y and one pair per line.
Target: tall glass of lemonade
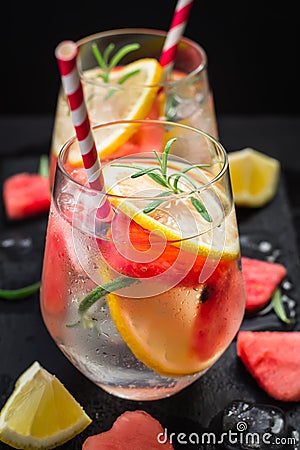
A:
x,y
145,302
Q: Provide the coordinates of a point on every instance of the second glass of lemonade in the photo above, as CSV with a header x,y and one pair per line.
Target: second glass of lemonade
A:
x,y
145,302
123,79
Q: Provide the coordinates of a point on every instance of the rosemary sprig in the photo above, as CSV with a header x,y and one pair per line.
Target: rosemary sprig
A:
x,y
17,294
107,64
101,291
278,306
160,175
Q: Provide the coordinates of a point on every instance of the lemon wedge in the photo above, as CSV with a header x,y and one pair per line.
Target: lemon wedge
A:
x,y
132,99
254,177
40,413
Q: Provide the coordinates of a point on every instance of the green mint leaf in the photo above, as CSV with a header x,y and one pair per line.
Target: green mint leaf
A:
x,y
278,306
201,209
17,294
101,291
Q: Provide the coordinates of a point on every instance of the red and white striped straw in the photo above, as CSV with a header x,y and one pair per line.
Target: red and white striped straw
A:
x,y
176,30
66,55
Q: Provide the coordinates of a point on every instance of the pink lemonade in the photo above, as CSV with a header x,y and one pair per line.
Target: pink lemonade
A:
x,y
177,299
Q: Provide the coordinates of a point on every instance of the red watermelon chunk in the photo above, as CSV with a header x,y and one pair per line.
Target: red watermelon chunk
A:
x,y
261,279
134,430
273,359
26,194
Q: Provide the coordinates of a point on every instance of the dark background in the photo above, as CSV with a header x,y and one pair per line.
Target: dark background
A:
x,y
252,47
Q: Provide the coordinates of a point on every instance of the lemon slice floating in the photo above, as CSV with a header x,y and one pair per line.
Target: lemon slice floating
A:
x,y
254,177
132,99
40,413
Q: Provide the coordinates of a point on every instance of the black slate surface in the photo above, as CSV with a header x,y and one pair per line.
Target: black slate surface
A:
x,y
198,408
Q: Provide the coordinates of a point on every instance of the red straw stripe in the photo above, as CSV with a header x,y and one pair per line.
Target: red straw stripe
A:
x,y
175,33
66,54
75,99
181,16
83,130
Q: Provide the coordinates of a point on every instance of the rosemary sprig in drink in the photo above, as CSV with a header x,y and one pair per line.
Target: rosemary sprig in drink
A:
x,y
160,175
107,64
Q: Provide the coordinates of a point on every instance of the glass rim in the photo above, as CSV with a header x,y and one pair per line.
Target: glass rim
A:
x,y
144,31
92,191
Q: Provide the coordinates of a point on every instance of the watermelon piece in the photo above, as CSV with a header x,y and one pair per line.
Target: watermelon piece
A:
x,y
134,430
119,256
221,310
273,359
261,279
26,194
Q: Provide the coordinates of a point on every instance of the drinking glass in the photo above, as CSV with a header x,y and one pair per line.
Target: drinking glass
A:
x,y
184,96
144,301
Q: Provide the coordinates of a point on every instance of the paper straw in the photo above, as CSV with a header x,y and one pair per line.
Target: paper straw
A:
x,y
66,55
175,32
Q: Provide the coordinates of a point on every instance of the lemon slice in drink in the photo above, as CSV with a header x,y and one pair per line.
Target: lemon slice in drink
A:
x,y
159,330
132,99
254,177
40,413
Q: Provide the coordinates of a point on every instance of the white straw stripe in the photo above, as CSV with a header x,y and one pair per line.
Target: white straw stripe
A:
x,y
86,144
181,4
79,115
94,171
71,82
172,38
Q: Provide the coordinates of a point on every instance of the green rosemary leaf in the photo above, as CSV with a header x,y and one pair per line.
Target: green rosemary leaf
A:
x,y
107,288
121,53
278,306
44,166
177,177
153,205
158,179
128,75
98,57
171,107
107,53
17,294
201,209
144,172
129,166
194,166
165,156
